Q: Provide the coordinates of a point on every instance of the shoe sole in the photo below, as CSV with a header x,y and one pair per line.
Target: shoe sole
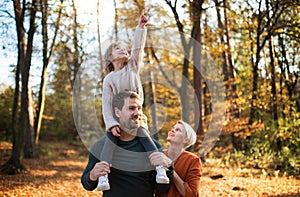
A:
x,y
162,181
103,188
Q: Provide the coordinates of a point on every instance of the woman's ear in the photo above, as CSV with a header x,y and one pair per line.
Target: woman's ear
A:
x,y
186,141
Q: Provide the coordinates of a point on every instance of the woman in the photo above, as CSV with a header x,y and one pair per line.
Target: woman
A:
x,y
187,166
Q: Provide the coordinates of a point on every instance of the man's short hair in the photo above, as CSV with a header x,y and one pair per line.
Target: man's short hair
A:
x,y
119,99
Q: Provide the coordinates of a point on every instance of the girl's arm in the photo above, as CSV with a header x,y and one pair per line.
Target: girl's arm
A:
x,y
107,109
138,43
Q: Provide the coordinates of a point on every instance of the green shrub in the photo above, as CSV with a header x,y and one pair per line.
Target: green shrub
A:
x,y
276,147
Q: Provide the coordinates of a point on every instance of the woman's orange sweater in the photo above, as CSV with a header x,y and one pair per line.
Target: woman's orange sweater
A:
x,y
188,167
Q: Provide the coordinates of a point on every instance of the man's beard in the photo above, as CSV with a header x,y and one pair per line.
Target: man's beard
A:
x,y
131,126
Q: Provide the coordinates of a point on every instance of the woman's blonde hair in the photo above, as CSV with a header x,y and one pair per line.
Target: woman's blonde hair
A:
x,y
190,133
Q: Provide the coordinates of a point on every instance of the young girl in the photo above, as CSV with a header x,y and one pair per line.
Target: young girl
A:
x,y
124,76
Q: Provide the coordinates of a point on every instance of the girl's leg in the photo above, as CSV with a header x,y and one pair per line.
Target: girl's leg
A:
x,y
145,139
106,155
108,147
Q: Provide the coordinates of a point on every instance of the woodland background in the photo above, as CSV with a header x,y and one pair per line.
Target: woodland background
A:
x,y
253,48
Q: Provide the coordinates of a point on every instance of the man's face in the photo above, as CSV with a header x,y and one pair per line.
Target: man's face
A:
x,y
130,113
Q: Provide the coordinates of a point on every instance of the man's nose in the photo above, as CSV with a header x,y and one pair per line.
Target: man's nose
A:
x,y
137,111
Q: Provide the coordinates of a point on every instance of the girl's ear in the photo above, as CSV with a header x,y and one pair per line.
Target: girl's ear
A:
x,y
117,112
110,57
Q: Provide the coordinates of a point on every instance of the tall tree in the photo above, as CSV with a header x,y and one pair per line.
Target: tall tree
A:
x,y
75,70
288,61
116,20
25,47
47,53
221,31
27,116
264,30
185,68
233,94
227,63
99,35
273,74
196,34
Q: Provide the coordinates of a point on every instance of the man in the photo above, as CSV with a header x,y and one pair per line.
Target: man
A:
x,y
131,173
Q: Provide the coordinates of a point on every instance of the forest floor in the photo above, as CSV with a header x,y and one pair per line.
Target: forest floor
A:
x,y
58,170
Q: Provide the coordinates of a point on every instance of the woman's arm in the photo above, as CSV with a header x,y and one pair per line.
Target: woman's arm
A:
x,y
179,184
190,187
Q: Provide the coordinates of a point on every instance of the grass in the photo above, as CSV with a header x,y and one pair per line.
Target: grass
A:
x,y
58,170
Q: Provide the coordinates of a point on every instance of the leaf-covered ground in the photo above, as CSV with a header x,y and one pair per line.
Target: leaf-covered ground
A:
x,y
58,170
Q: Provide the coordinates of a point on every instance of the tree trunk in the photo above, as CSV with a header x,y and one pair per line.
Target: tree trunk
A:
x,y
265,29
286,77
234,108
221,31
282,72
253,110
47,53
273,82
99,37
116,21
152,101
14,165
76,74
273,73
196,8
185,68
16,99
30,149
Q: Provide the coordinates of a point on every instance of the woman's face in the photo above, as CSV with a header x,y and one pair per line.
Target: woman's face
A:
x,y
177,135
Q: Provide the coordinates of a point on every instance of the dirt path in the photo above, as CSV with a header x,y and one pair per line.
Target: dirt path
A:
x,y
57,173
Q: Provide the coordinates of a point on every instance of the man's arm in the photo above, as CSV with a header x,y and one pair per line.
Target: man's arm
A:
x,y
94,168
86,182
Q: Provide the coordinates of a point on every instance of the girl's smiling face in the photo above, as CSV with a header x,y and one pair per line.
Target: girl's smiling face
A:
x,y
119,53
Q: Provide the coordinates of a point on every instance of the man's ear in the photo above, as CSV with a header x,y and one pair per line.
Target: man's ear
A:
x,y
117,112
